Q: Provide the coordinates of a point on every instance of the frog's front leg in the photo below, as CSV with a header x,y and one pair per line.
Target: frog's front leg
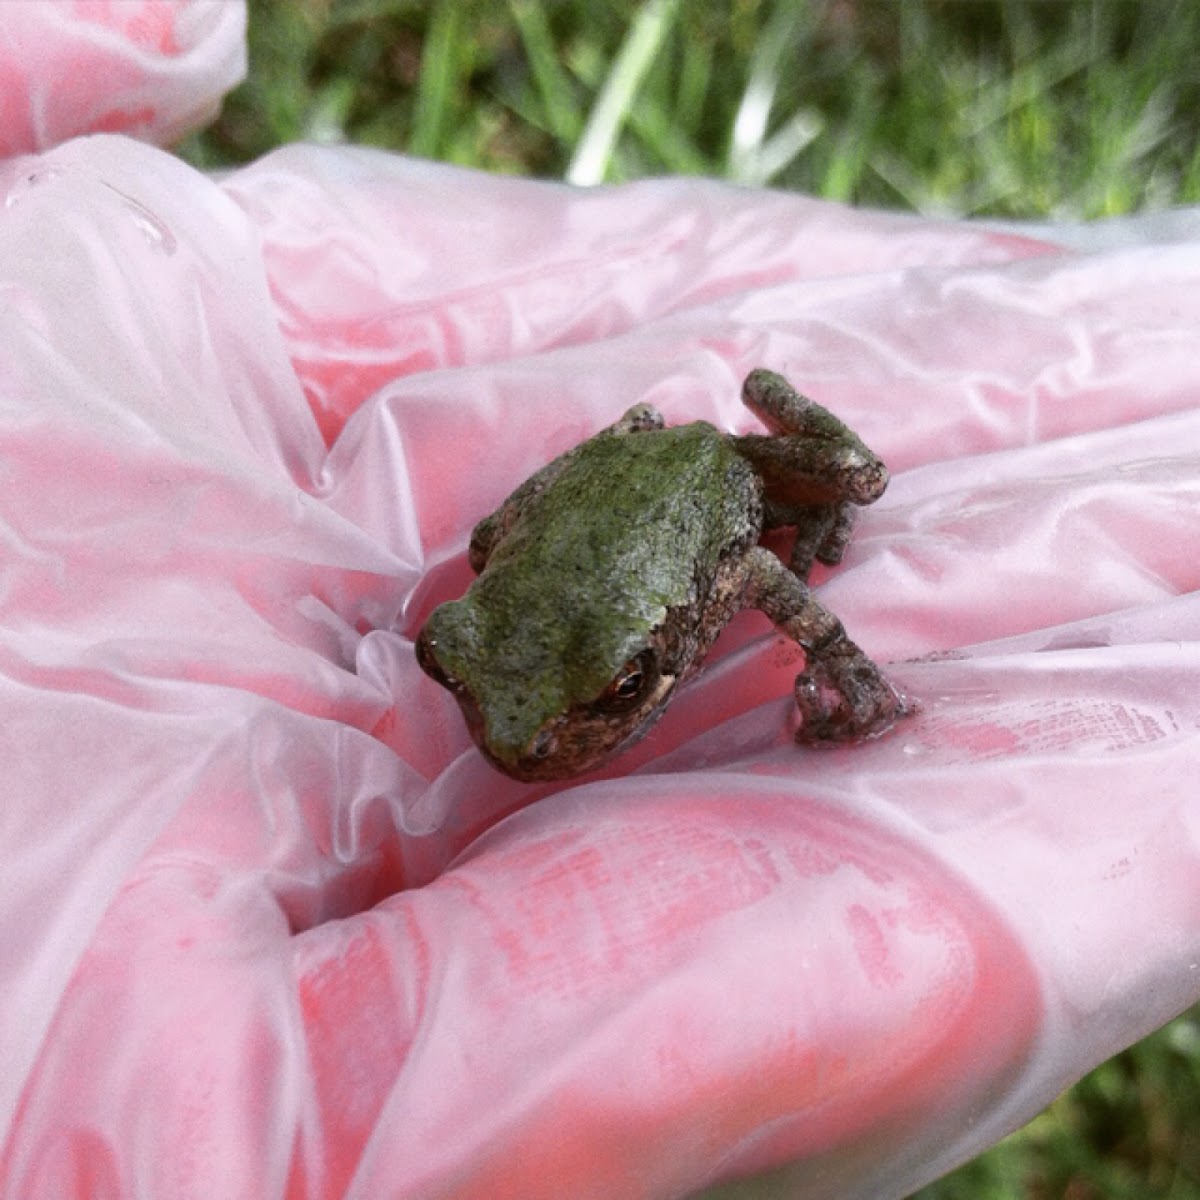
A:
x,y
842,695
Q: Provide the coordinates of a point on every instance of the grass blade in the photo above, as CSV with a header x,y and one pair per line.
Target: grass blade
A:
x,y
592,156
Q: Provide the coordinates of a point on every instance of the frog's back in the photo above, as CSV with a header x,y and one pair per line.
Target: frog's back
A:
x,y
625,540
660,506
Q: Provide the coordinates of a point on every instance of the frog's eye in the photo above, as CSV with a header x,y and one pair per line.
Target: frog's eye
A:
x,y
631,684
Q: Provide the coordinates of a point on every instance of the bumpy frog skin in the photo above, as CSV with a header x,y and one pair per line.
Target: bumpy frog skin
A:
x,y
604,579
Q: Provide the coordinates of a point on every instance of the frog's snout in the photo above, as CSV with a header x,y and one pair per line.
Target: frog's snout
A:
x,y
523,757
543,746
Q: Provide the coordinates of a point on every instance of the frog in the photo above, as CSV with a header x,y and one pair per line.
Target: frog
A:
x,y
604,579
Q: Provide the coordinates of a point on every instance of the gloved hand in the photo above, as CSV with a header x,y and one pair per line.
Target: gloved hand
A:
x,y
272,927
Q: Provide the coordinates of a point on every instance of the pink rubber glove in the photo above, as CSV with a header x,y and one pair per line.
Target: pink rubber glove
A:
x,y
155,69
265,932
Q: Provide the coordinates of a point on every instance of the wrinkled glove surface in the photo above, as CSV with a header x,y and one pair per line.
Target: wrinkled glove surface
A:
x,y
271,927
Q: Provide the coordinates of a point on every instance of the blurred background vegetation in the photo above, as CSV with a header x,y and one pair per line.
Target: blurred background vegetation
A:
x,y
1067,109
1016,108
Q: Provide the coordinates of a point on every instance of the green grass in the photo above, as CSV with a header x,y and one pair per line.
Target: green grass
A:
x,y
1127,1131
1010,109
1050,108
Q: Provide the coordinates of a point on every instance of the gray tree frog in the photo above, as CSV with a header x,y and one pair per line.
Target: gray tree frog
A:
x,y
604,579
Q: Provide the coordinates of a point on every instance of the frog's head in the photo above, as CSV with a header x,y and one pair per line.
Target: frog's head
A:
x,y
546,701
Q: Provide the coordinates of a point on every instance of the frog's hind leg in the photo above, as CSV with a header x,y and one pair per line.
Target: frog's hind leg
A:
x,y
784,410
823,532
641,418
841,694
815,469
810,454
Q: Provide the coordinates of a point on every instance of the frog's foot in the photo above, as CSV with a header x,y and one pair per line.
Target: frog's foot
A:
x,y
833,545
843,697
822,533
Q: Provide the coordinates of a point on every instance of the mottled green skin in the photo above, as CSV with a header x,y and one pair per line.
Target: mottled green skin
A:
x,y
604,579
534,637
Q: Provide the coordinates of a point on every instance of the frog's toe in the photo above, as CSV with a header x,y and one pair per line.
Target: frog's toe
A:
x,y
833,545
850,704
